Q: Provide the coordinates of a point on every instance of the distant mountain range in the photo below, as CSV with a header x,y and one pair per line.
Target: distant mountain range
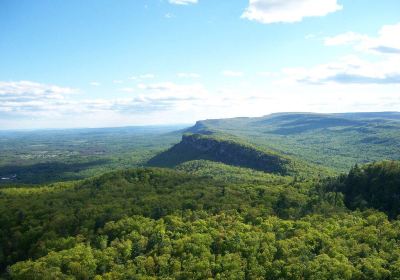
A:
x,y
336,141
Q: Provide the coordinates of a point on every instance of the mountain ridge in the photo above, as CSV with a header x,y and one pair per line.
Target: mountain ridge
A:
x,y
199,146
337,140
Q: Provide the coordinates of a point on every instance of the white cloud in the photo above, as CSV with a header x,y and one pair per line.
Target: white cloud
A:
x,y
182,2
35,105
118,81
387,41
26,99
381,69
188,75
273,11
95,84
345,38
348,70
230,73
27,89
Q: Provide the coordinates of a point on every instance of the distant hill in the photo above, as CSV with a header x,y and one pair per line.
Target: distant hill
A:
x,y
333,140
372,115
197,146
234,152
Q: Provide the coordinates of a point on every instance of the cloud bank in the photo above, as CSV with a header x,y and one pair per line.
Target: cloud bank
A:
x,y
274,11
387,41
31,99
348,70
380,67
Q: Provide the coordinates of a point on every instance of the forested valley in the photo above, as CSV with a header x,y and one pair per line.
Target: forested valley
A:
x,y
288,196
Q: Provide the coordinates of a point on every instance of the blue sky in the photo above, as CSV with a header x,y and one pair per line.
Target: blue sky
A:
x,y
74,63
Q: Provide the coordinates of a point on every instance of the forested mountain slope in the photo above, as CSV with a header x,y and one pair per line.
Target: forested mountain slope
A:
x,y
334,140
231,174
165,224
197,146
232,151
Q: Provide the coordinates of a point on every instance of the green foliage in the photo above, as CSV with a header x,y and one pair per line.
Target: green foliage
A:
x,y
223,246
225,150
206,221
375,185
232,174
32,217
232,151
338,141
77,262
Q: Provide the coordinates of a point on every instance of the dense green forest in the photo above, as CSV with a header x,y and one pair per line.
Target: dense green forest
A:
x,y
223,203
160,223
374,185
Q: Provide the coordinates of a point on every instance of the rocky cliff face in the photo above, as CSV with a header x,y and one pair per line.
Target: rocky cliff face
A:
x,y
196,146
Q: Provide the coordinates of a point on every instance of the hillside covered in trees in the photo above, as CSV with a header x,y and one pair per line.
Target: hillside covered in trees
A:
x,y
337,141
159,223
218,149
221,203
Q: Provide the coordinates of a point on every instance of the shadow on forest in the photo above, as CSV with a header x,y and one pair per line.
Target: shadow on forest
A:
x,y
46,172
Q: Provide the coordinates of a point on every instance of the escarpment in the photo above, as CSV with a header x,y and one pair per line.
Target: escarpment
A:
x,y
197,146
